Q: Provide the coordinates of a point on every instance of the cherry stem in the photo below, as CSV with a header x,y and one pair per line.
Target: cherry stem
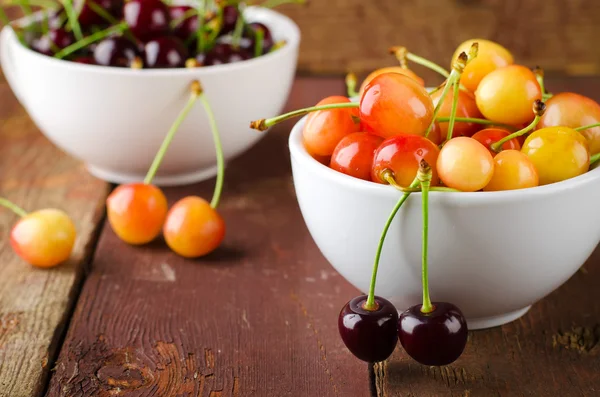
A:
x,y
370,304
424,176
453,110
475,121
188,14
402,55
196,89
263,124
258,46
219,150
238,30
585,127
72,16
538,108
594,158
277,45
200,31
539,76
351,82
388,176
13,207
89,40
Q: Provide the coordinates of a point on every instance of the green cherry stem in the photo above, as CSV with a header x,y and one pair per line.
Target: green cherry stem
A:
x,y
195,89
218,148
585,127
539,76
201,9
453,110
258,46
594,158
424,177
263,124
538,109
402,55
388,176
475,121
73,22
351,82
90,39
13,207
370,304
238,30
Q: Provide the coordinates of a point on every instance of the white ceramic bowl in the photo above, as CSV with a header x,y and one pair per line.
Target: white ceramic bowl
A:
x,y
493,254
115,119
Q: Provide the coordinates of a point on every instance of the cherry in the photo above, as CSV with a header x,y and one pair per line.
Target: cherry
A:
x,y
53,41
390,69
371,335
573,110
165,52
512,170
393,104
489,136
465,164
230,17
558,153
466,107
507,94
490,57
267,40
402,154
223,53
146,19
88,16
43,238
116,51
87,60
354,154
188,26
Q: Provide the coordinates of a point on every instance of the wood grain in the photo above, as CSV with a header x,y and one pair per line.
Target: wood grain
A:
x,y
338,35
35,303
256,318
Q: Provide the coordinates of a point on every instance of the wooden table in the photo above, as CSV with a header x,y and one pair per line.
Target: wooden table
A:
x,y
257,317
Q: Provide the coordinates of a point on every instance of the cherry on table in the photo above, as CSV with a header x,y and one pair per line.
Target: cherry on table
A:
x,y
146,19
371,335
435,338
165,52
54,40
116,51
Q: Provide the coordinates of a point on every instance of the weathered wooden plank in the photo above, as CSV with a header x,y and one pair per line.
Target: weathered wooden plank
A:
x,y
34,303
355,34
258,317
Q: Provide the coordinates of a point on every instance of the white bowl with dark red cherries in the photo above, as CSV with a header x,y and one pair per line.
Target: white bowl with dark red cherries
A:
x,y
109,94
508,187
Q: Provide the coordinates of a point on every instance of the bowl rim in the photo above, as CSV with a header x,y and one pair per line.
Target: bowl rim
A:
x,y
275,18
299,153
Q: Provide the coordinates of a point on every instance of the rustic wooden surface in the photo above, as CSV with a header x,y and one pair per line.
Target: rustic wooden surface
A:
x,y
34,303
337,35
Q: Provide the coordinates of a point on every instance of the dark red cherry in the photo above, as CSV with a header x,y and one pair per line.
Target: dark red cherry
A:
x,y
53,41
87,60
165,52
370,335
224,53
354,154
251,30
186,28
436,338
230,17
146,19
88,17
115,51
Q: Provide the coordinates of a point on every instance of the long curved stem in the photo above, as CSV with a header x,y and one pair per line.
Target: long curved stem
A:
x,y
424,177
73,22
90,39
585,127
496,147
264,124
196,89
219,150
13,207
453,110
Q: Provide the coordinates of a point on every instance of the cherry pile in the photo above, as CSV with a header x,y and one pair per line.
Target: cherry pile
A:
x,y
147,33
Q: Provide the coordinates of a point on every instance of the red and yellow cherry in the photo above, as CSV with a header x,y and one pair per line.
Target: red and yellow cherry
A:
x,y
136,212
390,69
488,136
402,155
394,104
44,238
573,110
512,170
558,153
435,134
193,228
465,164
354,154
324,129
465,107
506,95
490,56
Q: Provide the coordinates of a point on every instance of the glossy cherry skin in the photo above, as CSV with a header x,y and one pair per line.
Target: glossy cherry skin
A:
x,y
394,104
390,69
165,52
465,164
193,228
490,56
512,170
506,95
146,19
115,51
354,154
44,238
371,336
136,212
230,17
488,136
558,153
573,110
402,154
466,107
223,53
59,37
186,28
437,338
324,129
88,17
